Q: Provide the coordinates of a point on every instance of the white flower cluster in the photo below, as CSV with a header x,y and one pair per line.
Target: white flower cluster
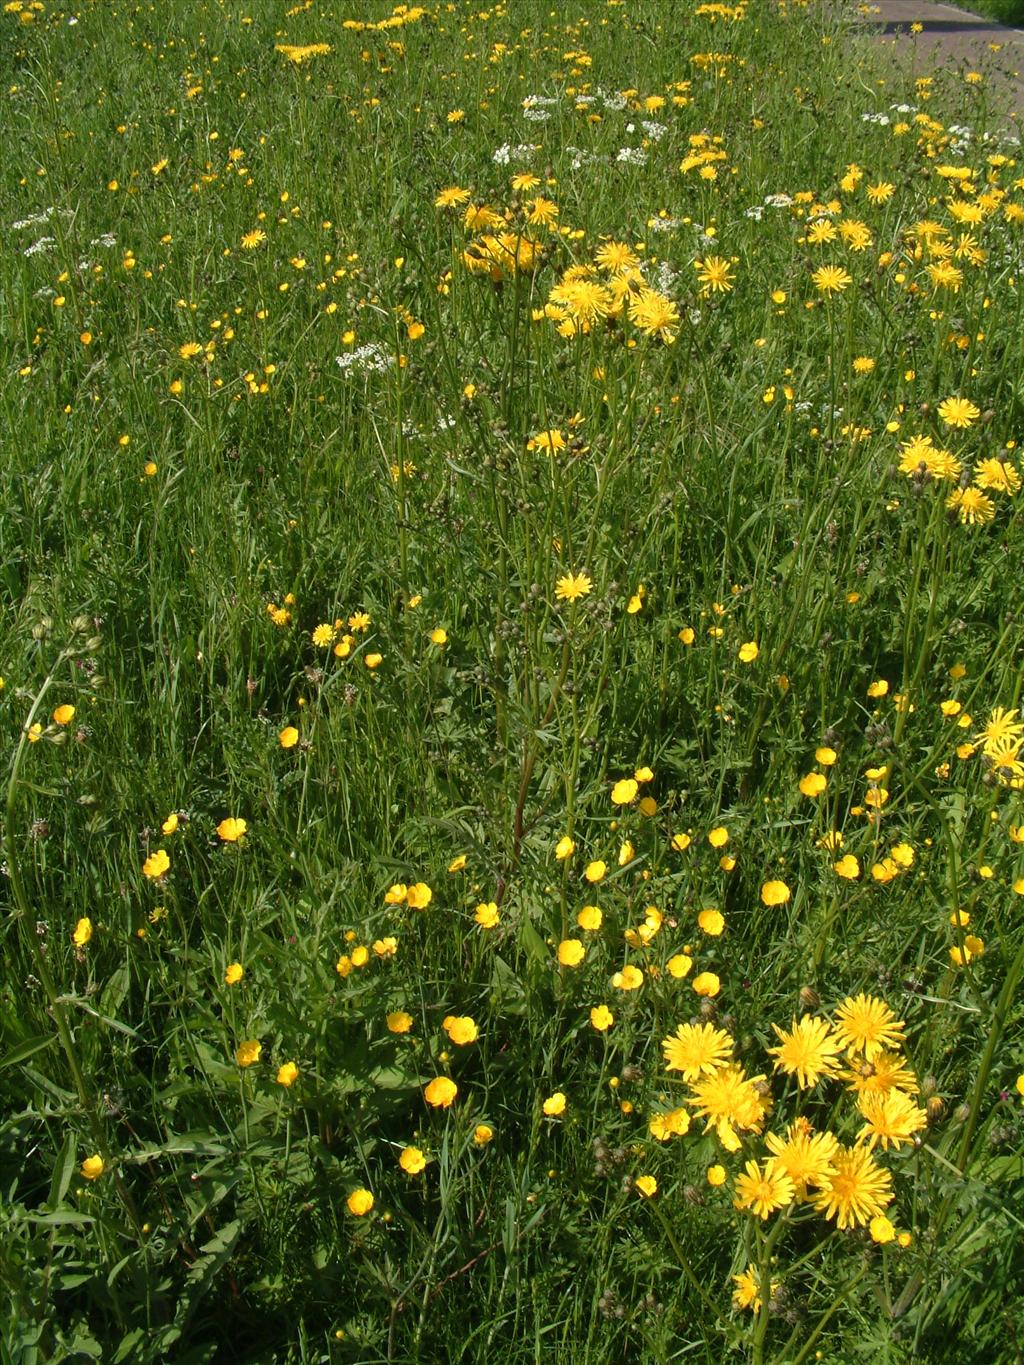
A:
x,y
38,219
373,358
507,153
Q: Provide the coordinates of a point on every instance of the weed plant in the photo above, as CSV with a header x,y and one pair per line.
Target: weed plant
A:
x,y
512,822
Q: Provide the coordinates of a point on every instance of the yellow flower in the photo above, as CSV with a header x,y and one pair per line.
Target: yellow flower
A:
x,y
82,932
718,837
554,1105
457,863
170,825
748,652
646,1185
571,952
231,829
857,1191
289,737
398,1021
707,984
552,441
439,636
412,1160
712,922
763,1190
372,660
847,867
451,197
679,965
565,848
64,715
92,1167
825,756
624,791
697,1050
359,1203
747,1293
248,1052
595,870
881,1229
482,1134
156,865
716,1175
681,842
419,896
629,979
808,1051
775,893
590,918
571,587
287,1074
831,279
486,915
676,1123
958,412
714,275
234,974
461,1029
601,1018
973,947
866,1024
813,784
440,1092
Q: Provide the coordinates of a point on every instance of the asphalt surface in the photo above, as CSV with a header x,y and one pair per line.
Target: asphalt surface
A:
x,y
954,40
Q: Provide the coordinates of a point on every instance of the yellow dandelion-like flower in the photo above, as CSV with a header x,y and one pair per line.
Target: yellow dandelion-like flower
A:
x,y
808,1051
697,1050
866,1025
763,1189
857,1191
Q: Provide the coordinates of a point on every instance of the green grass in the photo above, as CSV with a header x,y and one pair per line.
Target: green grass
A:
x,y
1004,11
193,483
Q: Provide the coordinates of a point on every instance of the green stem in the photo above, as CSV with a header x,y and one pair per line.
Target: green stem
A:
x,y
55,1002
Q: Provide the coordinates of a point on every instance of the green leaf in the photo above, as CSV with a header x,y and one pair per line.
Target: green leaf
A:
x,y
27,1049
188,1144
63,1170
60,1218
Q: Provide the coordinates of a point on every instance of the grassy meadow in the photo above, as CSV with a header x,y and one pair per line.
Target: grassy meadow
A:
x,y
513,833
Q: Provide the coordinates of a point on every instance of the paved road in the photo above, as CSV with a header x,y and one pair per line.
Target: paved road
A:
x,y
954,37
